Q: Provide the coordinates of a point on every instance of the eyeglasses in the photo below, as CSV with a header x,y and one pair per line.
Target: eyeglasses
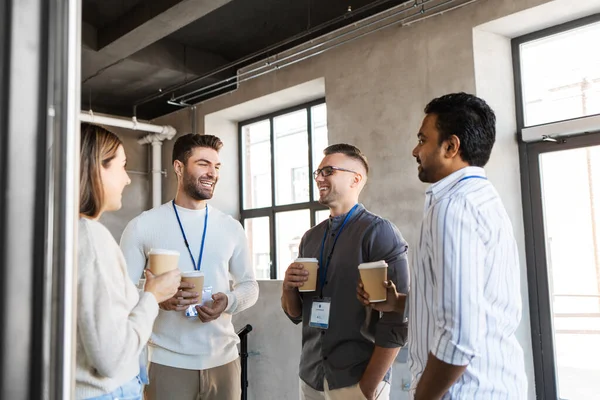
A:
x,y
329,170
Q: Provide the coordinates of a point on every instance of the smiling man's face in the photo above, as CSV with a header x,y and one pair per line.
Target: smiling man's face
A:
x,y
337,187
201,173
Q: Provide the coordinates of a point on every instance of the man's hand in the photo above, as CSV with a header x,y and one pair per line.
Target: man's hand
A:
x,y
219,304
182,299
368,392
394,302
295,276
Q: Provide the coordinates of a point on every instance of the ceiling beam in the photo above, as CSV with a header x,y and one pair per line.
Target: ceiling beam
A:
x,y
165,54
150,21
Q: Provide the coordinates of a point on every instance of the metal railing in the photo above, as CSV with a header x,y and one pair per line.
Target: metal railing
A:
x,y
243,334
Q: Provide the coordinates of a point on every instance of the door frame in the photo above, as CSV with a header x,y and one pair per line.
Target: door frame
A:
x,y
537,268
533,218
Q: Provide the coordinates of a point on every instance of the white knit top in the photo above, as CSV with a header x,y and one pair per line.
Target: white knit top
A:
x,y
179,341
113,321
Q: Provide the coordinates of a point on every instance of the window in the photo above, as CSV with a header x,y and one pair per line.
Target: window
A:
x,y
278,197
560,75
557,74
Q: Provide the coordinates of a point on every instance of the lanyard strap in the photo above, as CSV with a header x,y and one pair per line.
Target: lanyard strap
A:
x,y
472,177
324,267
196,267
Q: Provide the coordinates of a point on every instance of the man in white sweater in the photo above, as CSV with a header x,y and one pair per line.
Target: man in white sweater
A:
x,y
195,357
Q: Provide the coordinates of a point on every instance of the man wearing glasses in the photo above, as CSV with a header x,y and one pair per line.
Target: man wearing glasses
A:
x,y
347,348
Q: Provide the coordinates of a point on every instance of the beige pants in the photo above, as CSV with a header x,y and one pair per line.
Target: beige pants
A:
x,y
219,383
347,393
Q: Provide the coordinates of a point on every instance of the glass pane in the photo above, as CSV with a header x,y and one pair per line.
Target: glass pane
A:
x,y
291,226
291,158
259,241
256,166
321,216
319,139
560,75
571,197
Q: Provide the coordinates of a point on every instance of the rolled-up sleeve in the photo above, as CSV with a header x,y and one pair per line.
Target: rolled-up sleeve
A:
x,y
458,298
385,242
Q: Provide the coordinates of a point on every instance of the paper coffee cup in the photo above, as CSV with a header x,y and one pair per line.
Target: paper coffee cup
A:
x,y
373,275
194,277
312,266
161,260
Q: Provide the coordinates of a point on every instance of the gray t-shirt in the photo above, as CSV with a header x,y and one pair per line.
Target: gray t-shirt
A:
x,y
341,352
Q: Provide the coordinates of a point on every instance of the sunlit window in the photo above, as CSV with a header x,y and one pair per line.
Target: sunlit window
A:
x,y
278,154
560,76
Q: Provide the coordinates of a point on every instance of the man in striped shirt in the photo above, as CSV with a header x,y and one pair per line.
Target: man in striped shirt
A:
x,y
464,301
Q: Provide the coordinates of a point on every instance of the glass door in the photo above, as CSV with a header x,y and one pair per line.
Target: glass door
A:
x,y
565,215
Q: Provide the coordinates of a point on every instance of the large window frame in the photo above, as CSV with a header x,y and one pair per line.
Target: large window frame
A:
x,y
312,205
574,135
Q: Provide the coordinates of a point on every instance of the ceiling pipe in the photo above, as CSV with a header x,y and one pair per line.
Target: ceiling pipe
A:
x,y
155,138
261,53
321,47
164,132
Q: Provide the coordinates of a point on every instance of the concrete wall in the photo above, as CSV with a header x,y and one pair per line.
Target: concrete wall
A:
x,y
136,197
376,89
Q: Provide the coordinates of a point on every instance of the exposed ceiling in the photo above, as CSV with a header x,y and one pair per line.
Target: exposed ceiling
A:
x,y
133,49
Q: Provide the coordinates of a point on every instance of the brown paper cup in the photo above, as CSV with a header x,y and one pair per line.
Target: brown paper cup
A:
x,y
373,275
161,260
312,266
194,277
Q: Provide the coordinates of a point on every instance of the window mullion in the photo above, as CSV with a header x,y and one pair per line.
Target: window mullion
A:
x,y
310,161
273,238
273,196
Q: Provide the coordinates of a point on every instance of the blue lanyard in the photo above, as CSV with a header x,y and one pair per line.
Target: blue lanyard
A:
x,y
196,267
324,267
472,177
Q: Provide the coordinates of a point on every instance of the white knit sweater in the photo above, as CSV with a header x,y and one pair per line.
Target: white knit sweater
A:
x,y
113,321
179,341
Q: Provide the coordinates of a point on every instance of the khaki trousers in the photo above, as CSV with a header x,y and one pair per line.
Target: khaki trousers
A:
x,y
347,393
219,383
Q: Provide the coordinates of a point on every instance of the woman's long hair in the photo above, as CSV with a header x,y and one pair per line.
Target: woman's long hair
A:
x,y
98,148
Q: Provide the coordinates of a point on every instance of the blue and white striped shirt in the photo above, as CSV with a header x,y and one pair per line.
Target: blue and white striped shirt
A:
x,y
465,299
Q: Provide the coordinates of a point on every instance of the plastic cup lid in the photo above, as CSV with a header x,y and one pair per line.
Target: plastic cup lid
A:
x,y
301,260
192,274
371,265
163,252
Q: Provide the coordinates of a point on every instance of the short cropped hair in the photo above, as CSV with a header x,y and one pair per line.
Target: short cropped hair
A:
x,y
469,118
350,151
184,145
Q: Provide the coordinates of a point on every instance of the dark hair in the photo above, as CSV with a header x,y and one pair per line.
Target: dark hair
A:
x,y
471,120
182,149
350,151
98,148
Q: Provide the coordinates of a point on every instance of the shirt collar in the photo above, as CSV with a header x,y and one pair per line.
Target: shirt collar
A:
x,y
444,185
336,222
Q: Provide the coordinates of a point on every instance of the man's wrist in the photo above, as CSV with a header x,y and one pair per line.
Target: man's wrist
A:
x,y
289,289
366,389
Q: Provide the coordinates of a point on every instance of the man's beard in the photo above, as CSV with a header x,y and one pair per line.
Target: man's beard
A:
x,y
194,189
328,198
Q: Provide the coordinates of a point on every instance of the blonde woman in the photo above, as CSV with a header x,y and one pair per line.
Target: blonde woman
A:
x,y
114,321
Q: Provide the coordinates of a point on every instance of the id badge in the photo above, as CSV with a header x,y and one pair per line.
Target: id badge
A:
x,y
206,300
319,313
